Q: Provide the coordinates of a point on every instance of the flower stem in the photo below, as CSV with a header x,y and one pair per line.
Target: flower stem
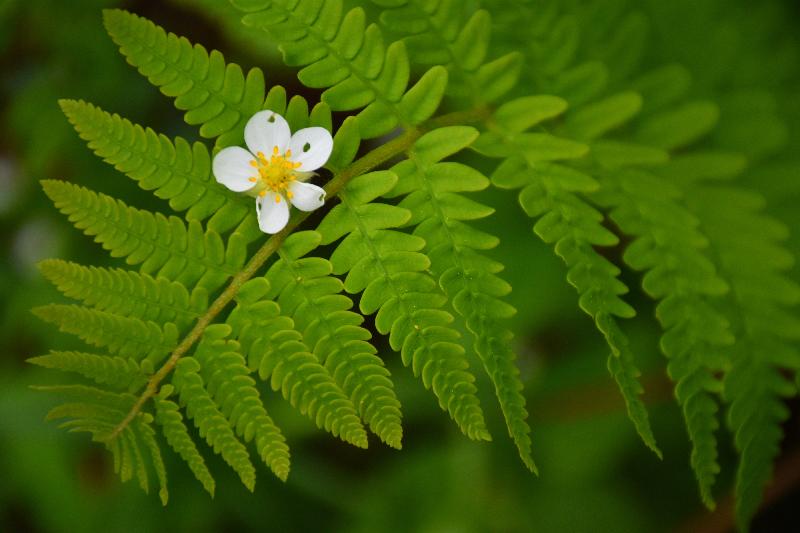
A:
x,y
372,159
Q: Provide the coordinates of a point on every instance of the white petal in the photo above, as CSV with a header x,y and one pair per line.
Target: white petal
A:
x,y
311,147
264,131
232,168
305,196
273,212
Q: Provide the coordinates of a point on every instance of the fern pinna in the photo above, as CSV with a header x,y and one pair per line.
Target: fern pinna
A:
x,y
215,307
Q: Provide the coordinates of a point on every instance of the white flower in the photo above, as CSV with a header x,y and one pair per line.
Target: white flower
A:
x,y
275,167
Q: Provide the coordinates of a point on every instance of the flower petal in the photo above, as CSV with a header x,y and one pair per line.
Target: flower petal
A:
x,y
311,147
264,131
305,196
273,212
232,168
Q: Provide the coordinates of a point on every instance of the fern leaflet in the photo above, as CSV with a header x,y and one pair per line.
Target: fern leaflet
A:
x,y
305,289
550,192
229,382
127,337
390,270
339,54
175,431
210,421
164,246
127,293
275,349
431,193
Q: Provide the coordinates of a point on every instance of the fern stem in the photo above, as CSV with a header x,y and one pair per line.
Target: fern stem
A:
x,y
372,159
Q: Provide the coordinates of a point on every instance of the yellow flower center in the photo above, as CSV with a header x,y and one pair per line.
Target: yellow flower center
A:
x,y
274,174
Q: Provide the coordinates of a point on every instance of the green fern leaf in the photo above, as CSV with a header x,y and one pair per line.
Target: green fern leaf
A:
x,y
597,119
210,421
164,246
127,337
390,270
229,382
339,54
550,193
116,372
98,412
126,293
148,435
174,170
680,126
215,95
276,350
305,289
448,33
469,279
169,417
747,245
670,249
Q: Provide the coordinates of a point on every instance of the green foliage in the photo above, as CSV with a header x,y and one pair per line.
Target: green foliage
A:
x,y
276,350
551,193
177,435
127,293
116,372
431,194
304,287
672,251
216,96
211,423
127,337
352,62
173,170
388,267
163,246
448,33
234,391
747,245
619,168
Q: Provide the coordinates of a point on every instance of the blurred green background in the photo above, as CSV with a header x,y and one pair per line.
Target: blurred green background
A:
x,y
595,473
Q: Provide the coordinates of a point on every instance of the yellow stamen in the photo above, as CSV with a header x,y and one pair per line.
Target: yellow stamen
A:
x,y
289,195
274,173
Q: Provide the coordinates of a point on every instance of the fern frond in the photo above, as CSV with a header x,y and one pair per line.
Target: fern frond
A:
x,y
208,419
670,248
126,293
230,384
679,126
550,193
216,96
431,192
116,372
97,412
750,257
305,290
276,350
173,170
454,35
169,417
389,268
163,246
127,337
148,435
351,62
